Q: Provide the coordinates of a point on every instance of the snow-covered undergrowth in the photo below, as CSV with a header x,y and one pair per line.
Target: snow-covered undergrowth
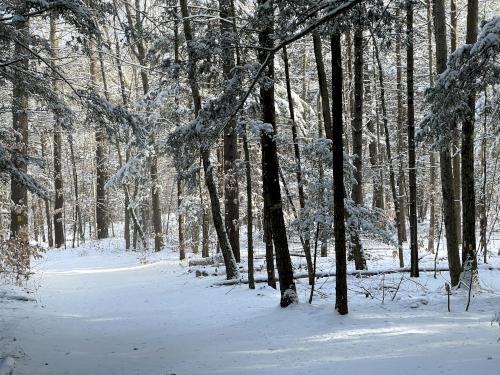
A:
x,y
99,310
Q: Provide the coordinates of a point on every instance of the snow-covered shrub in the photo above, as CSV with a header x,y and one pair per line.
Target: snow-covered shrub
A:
x,y
15,256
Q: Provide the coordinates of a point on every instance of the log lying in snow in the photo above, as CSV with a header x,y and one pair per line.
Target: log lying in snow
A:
x,y
360,273
6,366
214,259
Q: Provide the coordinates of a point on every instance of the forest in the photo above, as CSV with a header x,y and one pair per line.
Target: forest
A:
x,y
249,186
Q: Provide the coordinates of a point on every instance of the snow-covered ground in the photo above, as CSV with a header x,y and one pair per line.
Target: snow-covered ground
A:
x,y
99,310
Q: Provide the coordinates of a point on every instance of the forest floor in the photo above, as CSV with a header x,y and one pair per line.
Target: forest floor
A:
x,y
99,310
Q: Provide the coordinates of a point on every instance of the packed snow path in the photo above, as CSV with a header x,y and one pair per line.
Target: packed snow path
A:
x,y
103,312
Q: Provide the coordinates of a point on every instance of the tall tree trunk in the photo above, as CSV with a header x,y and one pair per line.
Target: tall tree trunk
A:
x,y
323,86
270,166
457,179
20,97
180,221
101,207
248,173
231,192
392,177
123,91
180,216
357,144
155,198
432,154
268,240
372,127
401,146
323,235
78,221
449,216
338,179
455,151
205,224
298,166
483,218
59,239
467,153
227,252
48,219
412,168
137,34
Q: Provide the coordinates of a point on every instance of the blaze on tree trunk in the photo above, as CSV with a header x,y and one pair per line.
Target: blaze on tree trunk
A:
x,y
338,179
18,191
412,171
58,178
270,167
468,191
231,199
449,215
357,144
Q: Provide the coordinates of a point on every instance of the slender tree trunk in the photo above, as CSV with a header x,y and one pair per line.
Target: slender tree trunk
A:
x,y
270,166
101,209
401,146
59,239
227,252
180,221
449,216
180,216
323,86
268,240
205,224
78,223
467,153
123,91
338,179
248,172
432,154
48,219
457,179
137,34
483,219
298,166
372,127
323,235
412,168
357,144
231,191
20,97
155,198
388,151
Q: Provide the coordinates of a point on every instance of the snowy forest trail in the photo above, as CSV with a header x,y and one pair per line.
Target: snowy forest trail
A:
x,y
104,312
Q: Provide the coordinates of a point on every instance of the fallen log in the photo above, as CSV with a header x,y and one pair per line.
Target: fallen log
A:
x,y
359,273
214,259
303,275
